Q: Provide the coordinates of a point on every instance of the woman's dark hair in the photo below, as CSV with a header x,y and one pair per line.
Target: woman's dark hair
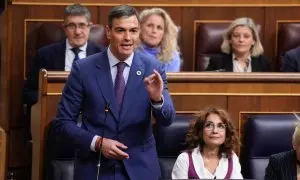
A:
x,y
194,137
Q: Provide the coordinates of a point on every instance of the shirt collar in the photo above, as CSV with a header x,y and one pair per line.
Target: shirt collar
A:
x,y
114,61
234,57
69,47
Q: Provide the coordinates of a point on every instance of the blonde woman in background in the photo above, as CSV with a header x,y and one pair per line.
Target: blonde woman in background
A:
x,y
242,49
159,38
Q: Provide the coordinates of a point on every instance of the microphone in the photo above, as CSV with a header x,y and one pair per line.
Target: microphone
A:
x,y
297,117
220,70
106,110
217,70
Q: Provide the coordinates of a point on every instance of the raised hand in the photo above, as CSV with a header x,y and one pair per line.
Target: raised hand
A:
x,y
154,85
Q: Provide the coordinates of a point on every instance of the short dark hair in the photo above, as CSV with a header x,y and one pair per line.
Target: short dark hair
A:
x,y
121,11
77,10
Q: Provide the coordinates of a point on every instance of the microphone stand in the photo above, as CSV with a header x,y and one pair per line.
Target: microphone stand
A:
x,y
101,141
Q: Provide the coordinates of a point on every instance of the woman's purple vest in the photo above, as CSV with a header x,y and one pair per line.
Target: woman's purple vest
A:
x,y
192,172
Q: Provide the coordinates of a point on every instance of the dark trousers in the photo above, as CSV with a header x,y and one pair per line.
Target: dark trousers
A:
x,y
114,172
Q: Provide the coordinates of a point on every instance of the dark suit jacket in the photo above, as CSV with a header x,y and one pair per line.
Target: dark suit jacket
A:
x,y
89,88
282,166
223,62
291,61
52,58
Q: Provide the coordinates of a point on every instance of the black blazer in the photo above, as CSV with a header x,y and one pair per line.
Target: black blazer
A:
x,y
282,166
291,61
52,58
223,62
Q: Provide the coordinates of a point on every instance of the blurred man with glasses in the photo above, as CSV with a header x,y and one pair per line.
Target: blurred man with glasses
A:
x,y
60,57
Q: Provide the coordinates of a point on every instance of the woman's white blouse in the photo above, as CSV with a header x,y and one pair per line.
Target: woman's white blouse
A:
x,y
181,166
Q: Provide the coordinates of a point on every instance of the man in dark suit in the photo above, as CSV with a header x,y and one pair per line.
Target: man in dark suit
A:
x,y
60,57
285,165
291,61
116,91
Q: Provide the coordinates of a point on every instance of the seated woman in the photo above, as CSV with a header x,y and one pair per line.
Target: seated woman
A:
x,y
159,38
242,49
286,165
211,140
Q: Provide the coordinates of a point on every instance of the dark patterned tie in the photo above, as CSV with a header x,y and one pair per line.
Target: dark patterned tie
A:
x,y
76,52
120,83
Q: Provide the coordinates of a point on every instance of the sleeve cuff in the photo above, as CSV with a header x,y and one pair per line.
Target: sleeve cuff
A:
x,y
93,144
159,105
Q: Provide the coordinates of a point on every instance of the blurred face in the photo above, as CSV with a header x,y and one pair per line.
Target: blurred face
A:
x,y
123,36
77,30
214,131
242,40
153,30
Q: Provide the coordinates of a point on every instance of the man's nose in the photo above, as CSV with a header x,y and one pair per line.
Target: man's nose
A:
x,y
77,30
127,36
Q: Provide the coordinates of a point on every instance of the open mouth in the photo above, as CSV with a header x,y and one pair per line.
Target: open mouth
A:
x,y
126,46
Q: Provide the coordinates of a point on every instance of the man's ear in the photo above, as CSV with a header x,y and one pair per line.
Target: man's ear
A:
x,y
63,25
108,32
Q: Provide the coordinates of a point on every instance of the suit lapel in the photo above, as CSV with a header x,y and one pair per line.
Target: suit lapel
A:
x,y
105,83
255,65
136,76
228,65
90,49
60,56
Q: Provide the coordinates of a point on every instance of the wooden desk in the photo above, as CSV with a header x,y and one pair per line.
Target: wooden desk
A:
x,y
191,92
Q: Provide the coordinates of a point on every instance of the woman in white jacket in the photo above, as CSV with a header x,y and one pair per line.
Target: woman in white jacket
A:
x,y
211,140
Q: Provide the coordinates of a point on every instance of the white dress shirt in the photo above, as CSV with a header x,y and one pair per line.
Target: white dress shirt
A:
x,y
69,56
113,61
237,66
181,167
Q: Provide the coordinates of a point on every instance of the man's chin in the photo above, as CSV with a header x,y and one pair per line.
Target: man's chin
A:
x,y
79,43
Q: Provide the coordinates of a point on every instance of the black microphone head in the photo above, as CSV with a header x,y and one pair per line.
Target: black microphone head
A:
x,y
221,70
107,107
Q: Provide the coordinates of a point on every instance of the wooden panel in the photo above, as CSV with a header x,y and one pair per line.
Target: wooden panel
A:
x,y
262,103
5,40
3,147
19,148
195,103
165,2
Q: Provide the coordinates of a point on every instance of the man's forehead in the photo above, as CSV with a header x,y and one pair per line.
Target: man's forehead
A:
x,y
76,19
125,22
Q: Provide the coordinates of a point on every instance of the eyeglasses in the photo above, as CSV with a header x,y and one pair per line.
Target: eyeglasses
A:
x,y
73,26
211,126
